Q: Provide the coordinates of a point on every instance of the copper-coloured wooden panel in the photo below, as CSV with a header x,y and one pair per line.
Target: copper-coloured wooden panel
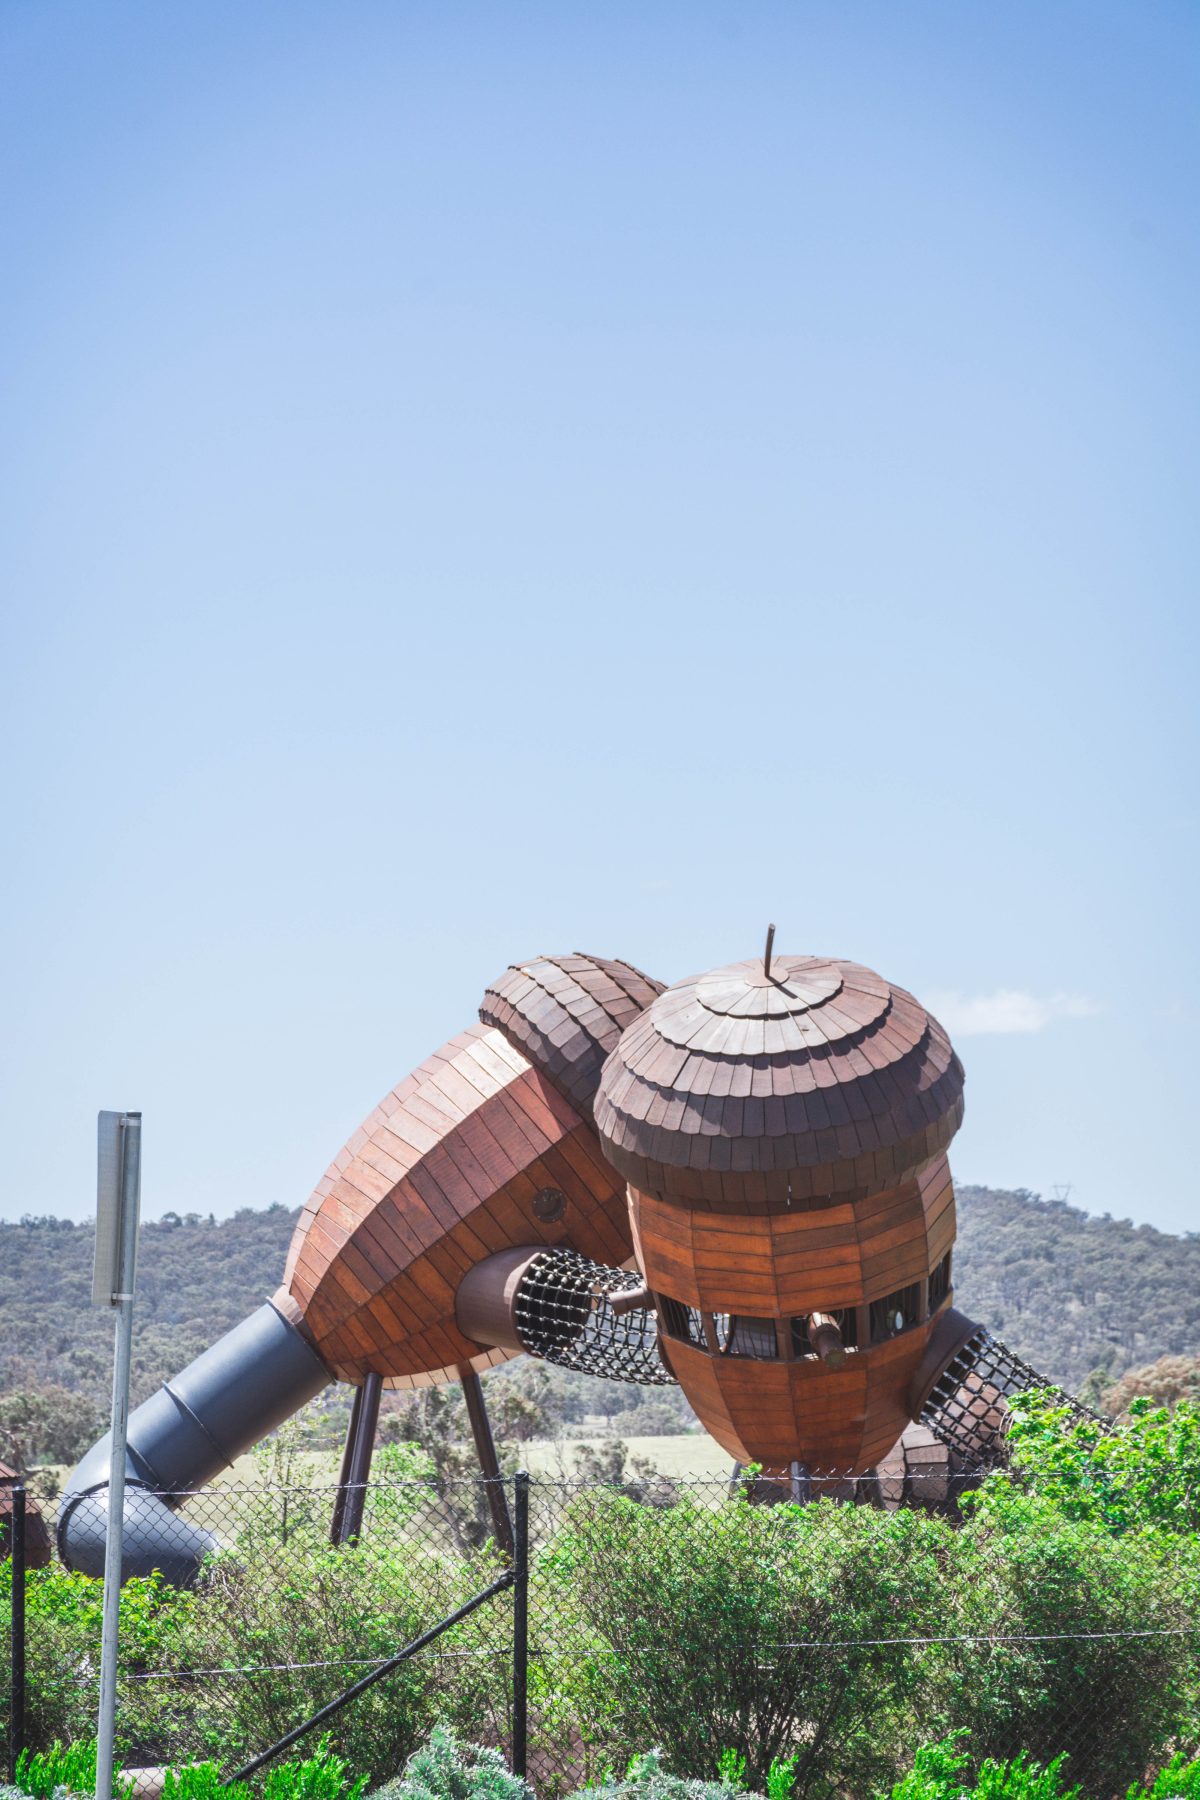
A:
x,y
453,1166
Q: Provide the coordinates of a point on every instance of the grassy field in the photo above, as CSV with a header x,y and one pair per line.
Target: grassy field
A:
x,y
689,1453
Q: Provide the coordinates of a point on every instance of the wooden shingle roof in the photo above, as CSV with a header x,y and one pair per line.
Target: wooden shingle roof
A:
x,y
566,1013
737,1089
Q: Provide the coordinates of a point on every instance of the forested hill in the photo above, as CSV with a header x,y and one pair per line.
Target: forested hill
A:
x,y
1071,1293
195,1278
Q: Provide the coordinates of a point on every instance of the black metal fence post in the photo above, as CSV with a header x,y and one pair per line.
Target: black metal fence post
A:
x,y
16,1741
520,1729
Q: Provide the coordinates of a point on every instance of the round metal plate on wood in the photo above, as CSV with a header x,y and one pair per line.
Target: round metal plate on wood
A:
x,y
549,1205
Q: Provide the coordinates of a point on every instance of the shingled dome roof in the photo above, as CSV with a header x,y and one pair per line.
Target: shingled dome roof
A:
x,y
566,1013
740,1089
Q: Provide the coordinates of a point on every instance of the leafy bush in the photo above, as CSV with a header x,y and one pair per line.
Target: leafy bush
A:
x,y
774,1630
937,1774
295,1619
646,1779
1180,1780
446,1769
201,1781
1072,1639
1143,1471
321,1776
43,1773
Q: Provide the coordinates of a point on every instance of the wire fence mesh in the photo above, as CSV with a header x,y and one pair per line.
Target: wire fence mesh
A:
x,y
665,1611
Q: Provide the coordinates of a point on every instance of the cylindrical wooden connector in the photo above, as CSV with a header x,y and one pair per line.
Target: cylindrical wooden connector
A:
x,y
632,1300
825,1336
487,1296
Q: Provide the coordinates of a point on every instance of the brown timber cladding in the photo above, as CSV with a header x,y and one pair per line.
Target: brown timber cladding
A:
x,y
442,1174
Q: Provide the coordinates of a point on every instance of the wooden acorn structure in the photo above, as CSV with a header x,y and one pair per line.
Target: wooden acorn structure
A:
x,y
783,1127
738,1183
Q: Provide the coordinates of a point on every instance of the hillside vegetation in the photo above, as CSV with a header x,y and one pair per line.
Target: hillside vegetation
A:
x,y
1075,1295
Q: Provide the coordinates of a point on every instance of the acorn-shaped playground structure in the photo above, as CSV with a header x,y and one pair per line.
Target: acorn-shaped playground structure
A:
x,y
782,1126
738,1183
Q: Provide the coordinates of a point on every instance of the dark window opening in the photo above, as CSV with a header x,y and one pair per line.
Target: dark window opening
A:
x,y
939,1283
896,1313
740,1335
680,1321
846,1319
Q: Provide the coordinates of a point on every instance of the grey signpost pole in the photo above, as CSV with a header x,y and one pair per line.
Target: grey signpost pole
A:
x,y
117,1202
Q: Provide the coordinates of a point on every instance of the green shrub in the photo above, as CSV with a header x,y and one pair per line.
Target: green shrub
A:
x,y
446,1769
1073,1640
322,1776
41,1773
1180,1780
774,1630
781,1777
201,1781
937,1774
646,1779
1142,1471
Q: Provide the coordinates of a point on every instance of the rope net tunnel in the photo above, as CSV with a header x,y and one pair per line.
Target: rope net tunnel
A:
x,y
564,1313
967,1405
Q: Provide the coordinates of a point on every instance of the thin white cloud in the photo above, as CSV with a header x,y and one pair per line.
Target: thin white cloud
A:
x,y
1006,1010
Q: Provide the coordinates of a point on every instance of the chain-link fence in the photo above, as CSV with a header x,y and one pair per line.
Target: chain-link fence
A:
x,y
667,1611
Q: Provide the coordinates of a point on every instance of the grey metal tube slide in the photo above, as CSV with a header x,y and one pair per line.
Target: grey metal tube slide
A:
x,y
252,1379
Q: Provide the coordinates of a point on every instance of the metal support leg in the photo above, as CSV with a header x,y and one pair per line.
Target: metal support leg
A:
x,y
354,1492
339,1505
485,1450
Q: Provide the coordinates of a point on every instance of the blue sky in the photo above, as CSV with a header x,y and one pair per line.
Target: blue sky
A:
x,y
487,479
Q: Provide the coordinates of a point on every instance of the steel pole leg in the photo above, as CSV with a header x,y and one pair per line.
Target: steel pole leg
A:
x,y
485,1450
360,1460
337,1523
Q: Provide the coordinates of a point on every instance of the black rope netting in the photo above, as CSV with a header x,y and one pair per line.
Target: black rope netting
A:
x,y
967,1405
563,1314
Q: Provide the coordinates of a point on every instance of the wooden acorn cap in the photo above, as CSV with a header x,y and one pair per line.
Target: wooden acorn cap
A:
x,y
740,1089
566,1014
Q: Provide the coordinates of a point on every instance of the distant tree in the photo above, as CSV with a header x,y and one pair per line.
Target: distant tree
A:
x,y
1165,1382
46,1423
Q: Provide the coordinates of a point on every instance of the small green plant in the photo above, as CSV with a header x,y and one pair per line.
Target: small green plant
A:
x,y
201,1781
1023,1779
447,1769
646,1779
322,1776
1180,1780
781,1777
731,1767
937,1774
72,1766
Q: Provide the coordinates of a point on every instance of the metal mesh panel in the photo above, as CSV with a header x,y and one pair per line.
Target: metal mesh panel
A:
x,y
562,1314
967,1407
662,1609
